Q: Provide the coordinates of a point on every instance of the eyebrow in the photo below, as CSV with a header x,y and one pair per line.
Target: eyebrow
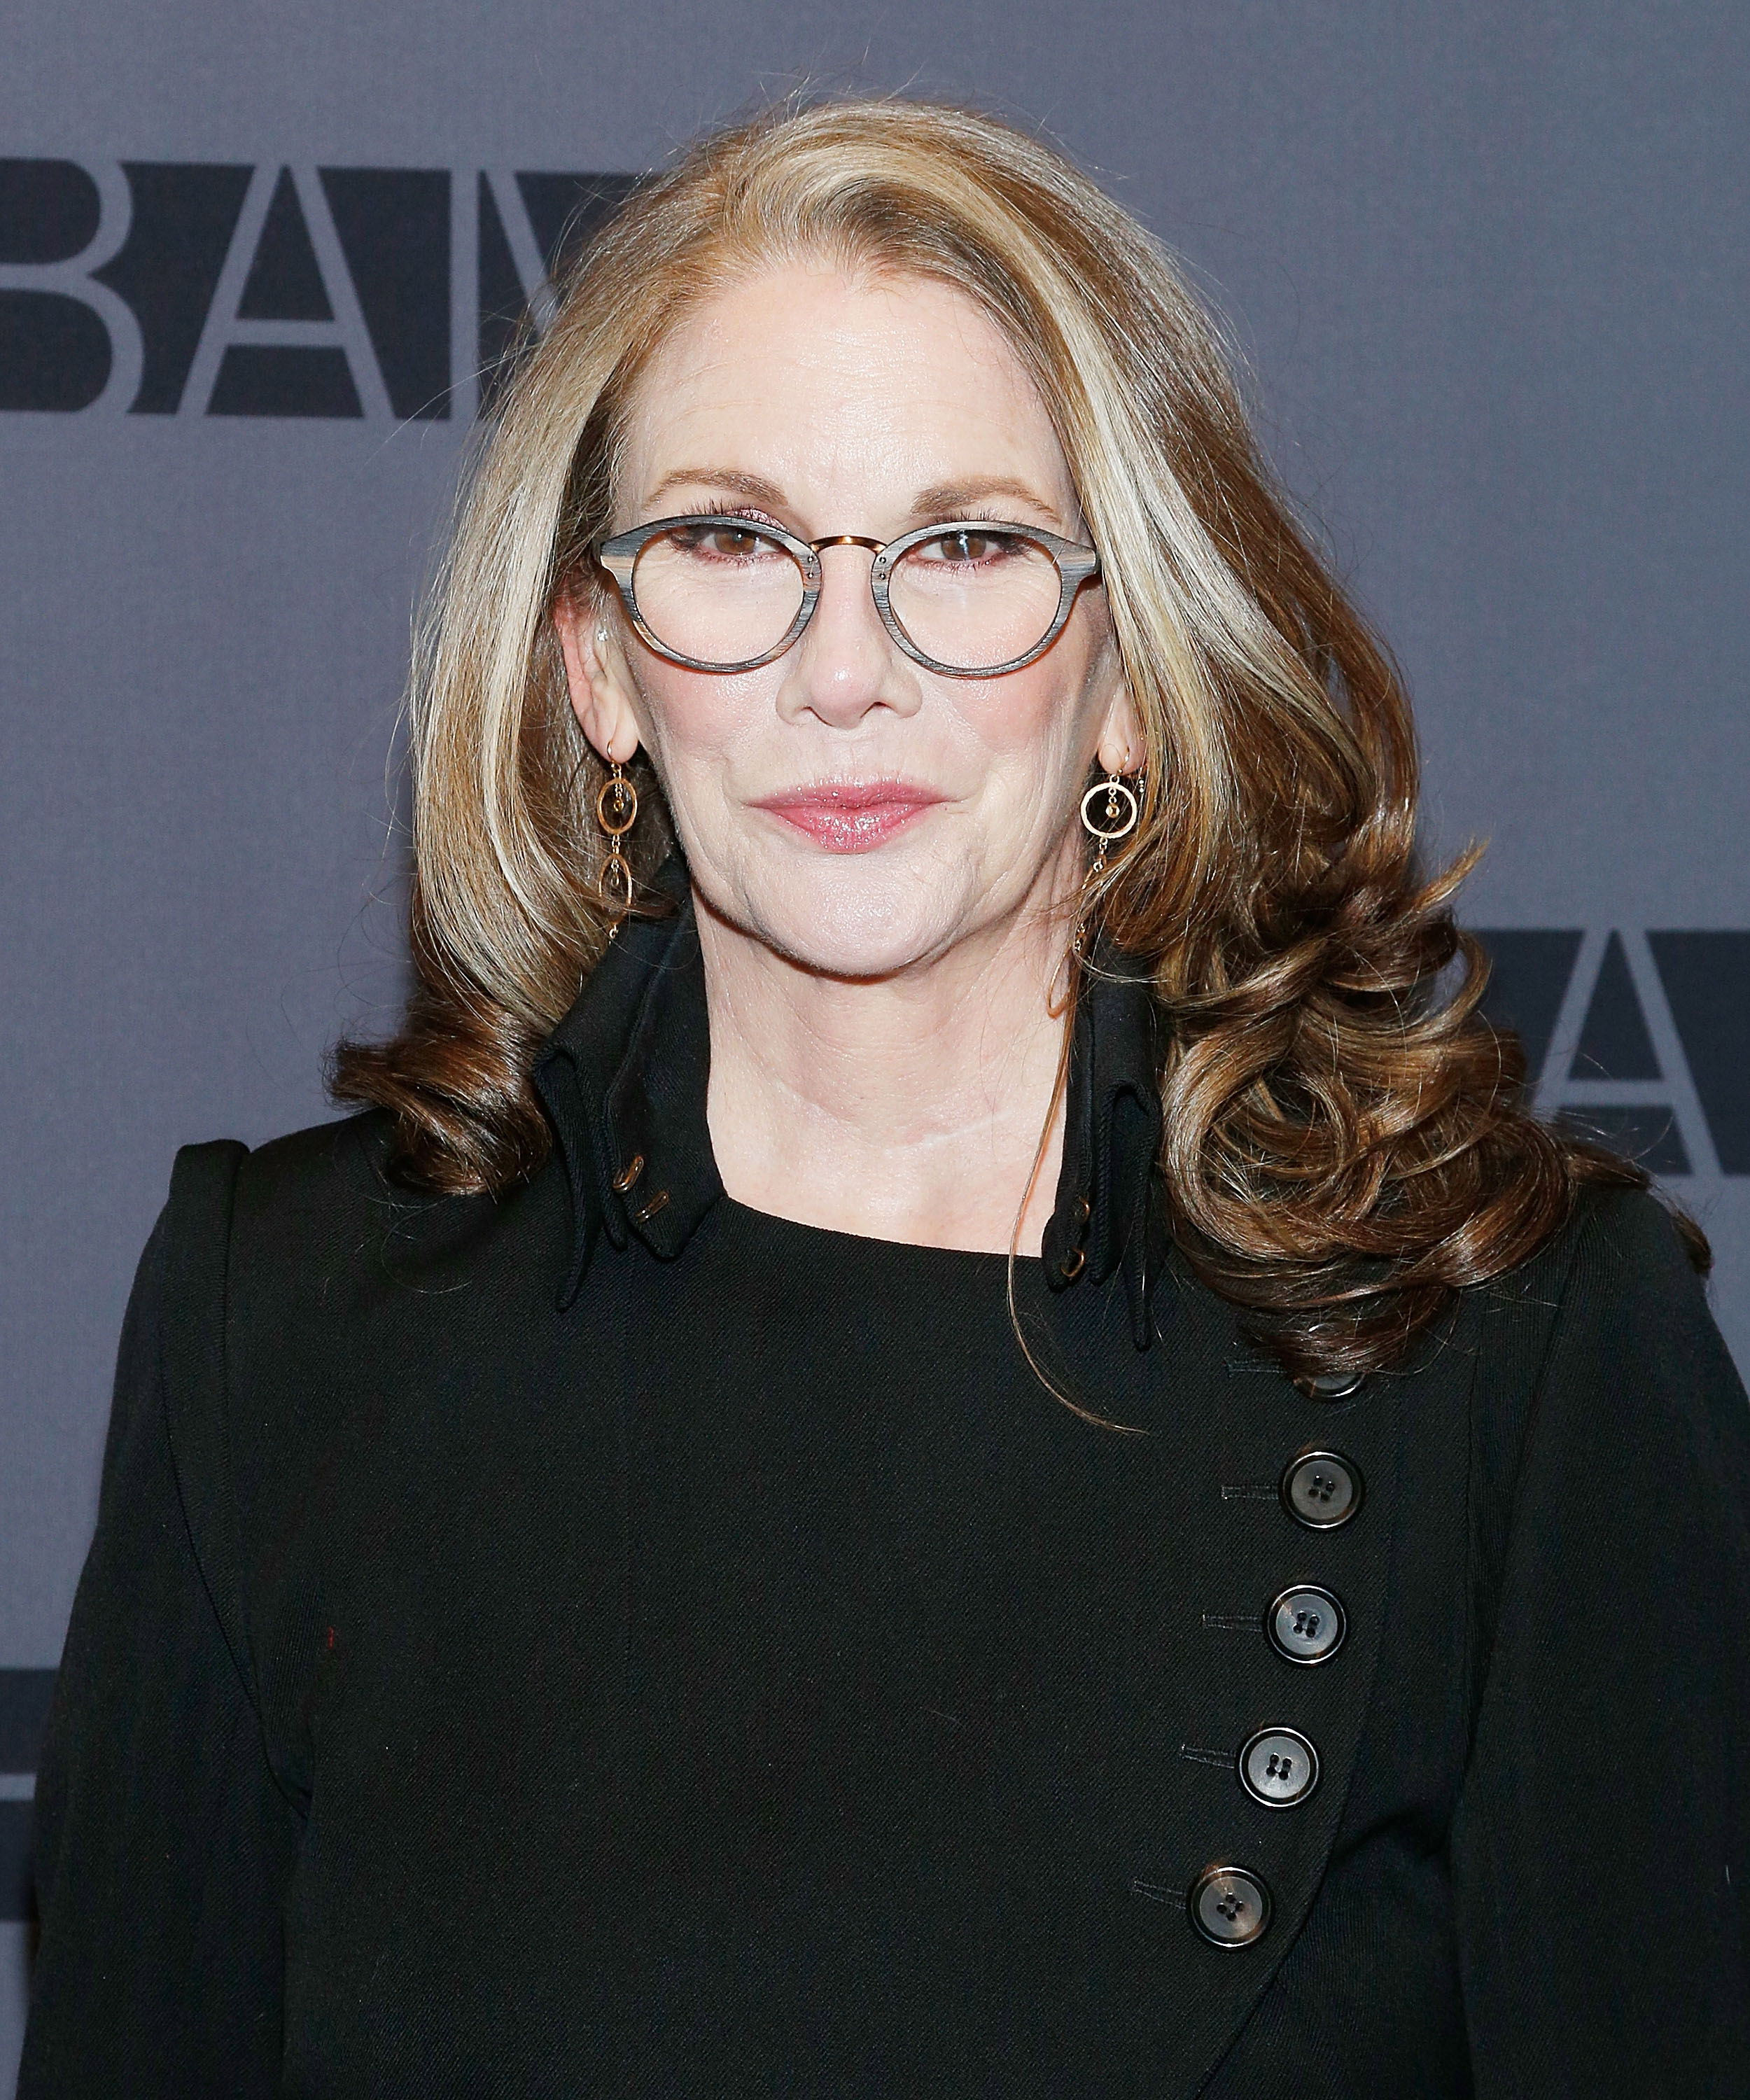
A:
x,y
948,498
944,500
754,486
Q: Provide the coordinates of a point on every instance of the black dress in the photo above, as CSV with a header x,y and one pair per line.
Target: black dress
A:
x,y
610,1643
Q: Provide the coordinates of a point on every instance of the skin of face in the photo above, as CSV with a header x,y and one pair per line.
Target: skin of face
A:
x,y
828,403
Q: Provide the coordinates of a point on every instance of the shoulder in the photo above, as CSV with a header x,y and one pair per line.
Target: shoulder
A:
x,y
354,1310
336,1171
1619,1258
321,1208
332,1260
1618,1278
1634,1356
1596,1361
1624,1240
1605,1393
324,1285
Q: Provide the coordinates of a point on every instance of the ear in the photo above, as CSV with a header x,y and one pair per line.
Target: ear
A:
x,y
595,670
1121,749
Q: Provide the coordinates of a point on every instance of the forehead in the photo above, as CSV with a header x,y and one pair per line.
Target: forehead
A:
x,y
840,385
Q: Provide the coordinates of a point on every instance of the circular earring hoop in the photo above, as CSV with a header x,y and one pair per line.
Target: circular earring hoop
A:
x,y
1112,829
619,792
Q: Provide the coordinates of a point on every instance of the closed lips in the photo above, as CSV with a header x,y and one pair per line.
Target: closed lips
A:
x,y
851,816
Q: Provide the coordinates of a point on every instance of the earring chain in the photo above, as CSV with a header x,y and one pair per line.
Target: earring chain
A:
x,y
616,812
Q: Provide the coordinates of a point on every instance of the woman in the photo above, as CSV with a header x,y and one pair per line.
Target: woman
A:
x,y
944,1430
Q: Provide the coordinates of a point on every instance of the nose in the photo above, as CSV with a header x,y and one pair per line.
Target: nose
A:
x,y
845,664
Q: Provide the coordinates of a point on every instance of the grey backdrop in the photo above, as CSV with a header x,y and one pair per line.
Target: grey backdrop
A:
x,y
1488,262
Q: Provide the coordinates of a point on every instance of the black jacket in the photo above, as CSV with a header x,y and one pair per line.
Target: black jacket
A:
x,y
606,1641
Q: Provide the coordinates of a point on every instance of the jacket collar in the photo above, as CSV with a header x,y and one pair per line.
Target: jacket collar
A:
x,y
624,1079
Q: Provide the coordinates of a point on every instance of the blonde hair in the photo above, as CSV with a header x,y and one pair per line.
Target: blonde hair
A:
x,y
1344,1149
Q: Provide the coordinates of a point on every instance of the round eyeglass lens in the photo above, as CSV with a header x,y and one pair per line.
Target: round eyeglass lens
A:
x,y
975,599
718,593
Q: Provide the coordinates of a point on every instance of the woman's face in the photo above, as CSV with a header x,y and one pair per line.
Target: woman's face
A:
x,y
843,805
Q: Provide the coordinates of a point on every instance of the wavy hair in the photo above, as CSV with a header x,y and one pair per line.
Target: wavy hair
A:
x,y
1347,1139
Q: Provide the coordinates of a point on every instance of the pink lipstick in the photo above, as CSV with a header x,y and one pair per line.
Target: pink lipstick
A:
x,y
851,816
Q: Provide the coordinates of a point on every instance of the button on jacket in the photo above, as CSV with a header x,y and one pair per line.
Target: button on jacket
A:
x,y
605,1640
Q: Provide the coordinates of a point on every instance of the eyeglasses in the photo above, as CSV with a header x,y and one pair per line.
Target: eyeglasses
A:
x,y
971,598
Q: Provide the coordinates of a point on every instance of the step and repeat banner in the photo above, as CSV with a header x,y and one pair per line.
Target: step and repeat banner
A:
x,y
1486,266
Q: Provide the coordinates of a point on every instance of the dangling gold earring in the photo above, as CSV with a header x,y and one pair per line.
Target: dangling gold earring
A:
x,y
1106,818
616,812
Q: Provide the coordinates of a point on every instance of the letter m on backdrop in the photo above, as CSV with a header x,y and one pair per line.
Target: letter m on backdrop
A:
x,y
161,287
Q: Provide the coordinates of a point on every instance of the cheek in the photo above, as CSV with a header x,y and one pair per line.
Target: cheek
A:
x,y
1038,727
1028,714
694,718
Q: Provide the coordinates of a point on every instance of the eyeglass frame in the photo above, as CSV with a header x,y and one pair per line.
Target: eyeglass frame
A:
x,y
617,555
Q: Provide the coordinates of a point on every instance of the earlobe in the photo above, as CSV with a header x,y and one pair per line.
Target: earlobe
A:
x,y
1121,748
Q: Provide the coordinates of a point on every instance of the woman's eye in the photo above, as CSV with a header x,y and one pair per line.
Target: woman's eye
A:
x,y
964,546
728,543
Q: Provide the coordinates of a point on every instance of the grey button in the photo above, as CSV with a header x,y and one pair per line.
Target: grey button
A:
x,y
1279,1767
1306,1625
1339,1385
1321,1489
1228,1906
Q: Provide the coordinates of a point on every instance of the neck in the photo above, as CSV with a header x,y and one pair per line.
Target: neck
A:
x,y
905,1108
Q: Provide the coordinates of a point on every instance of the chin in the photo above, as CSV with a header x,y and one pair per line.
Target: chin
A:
x,y
857,914
855,942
